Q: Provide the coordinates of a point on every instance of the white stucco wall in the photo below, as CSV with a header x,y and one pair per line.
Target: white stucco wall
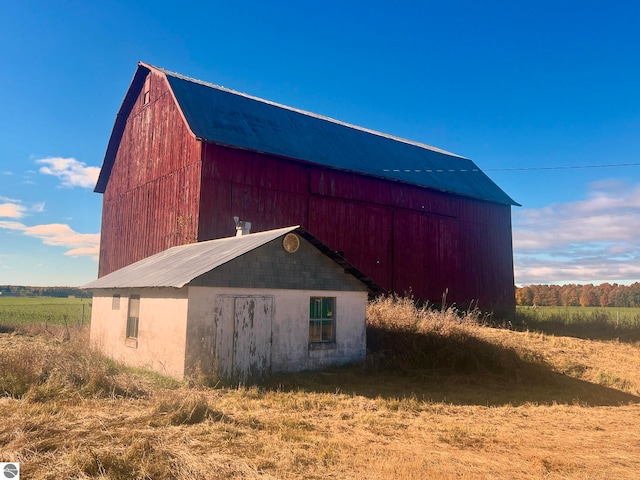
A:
x,y
177,329
161,329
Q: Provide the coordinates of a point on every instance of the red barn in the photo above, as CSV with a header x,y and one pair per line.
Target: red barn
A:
x,y
186,156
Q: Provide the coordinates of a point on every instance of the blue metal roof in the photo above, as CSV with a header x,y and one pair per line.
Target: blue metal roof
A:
x,y
219,115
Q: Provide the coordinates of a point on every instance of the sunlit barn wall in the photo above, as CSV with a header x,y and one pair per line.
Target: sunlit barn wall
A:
x,y
151,200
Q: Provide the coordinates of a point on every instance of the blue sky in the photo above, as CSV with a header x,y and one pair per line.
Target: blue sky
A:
x,y
522,89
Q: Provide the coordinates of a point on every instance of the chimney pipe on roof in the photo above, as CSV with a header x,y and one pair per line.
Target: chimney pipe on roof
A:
x,y
242,227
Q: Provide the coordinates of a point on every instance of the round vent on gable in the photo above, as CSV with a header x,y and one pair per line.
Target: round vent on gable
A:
x,y
291,242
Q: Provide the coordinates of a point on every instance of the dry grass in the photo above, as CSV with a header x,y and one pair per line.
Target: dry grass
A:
x,y
480,403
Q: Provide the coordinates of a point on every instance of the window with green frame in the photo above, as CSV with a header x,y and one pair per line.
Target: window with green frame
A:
x,y
322,319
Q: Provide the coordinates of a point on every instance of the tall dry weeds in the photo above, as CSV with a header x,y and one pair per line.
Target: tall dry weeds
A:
x,y
405,337
40,367
395,312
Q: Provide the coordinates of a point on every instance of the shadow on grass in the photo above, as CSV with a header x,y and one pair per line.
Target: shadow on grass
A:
x,y
461,370
6,328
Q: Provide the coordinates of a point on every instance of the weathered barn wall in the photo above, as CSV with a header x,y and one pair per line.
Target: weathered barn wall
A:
x,y
408,239
162,328
234,182
151,200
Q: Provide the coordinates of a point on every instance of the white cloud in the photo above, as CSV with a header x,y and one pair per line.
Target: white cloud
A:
x,y
15,208
592,239
11,210
579,270
70,171
60,235
85,251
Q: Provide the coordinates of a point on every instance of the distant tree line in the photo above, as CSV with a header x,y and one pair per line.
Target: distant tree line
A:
x,y
572,295
24,291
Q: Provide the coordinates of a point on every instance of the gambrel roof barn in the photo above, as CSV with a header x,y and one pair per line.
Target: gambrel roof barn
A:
x,y
186,156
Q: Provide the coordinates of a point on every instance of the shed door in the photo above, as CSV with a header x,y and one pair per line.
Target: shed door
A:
x,y
243,346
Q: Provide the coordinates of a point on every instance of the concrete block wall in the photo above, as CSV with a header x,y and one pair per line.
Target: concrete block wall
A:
x,y
270,266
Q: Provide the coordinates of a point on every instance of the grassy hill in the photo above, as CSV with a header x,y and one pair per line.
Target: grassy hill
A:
x,y
440,396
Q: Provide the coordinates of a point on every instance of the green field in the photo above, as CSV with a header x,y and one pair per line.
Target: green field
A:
x,y
605,323
584,322
625,314
21,310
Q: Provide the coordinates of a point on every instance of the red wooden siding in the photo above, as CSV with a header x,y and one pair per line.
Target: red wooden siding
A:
x,y
155,182
427,256
352,186
266,191
362,232
406,238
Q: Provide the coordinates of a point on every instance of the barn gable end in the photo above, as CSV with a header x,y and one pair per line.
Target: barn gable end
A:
x,y
151,197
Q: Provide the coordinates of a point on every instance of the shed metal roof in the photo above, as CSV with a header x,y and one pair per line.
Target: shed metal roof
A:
x,y
219,115
177,266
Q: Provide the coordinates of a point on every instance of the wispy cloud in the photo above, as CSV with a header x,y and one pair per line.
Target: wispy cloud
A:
x,y
589,240
38,207
60,235
70,171
13,208
8,225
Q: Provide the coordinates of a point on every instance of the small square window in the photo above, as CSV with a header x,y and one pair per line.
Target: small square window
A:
x,y
322,319
146,92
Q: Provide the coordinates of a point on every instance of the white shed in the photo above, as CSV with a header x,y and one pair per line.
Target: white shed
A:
x,y
235,308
